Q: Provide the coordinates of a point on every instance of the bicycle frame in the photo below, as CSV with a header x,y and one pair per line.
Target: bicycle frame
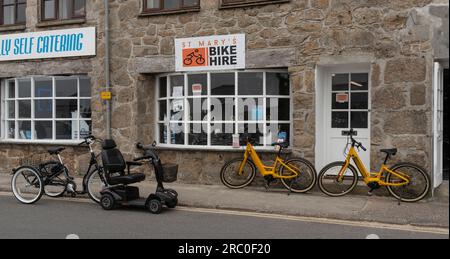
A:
x,y
264,170
93,164
368,176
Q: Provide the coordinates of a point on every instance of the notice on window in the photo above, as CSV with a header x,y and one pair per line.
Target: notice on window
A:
x,y
210,53
342,98
177,91
197,89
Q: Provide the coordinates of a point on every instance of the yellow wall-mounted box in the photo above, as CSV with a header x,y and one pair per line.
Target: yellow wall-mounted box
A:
x,y
106,95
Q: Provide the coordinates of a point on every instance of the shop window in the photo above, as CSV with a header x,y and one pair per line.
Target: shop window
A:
x,y
12,12
217,109
162,6
46,109
62,9
239,3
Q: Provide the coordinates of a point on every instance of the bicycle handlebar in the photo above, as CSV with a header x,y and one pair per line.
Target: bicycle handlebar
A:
x,y
139,145
359,145
141,158
148,151
87,140
352,133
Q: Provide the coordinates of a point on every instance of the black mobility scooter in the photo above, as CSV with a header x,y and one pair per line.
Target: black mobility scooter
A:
x,y
118,177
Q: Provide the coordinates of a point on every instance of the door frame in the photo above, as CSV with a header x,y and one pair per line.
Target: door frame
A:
x,y
323,79
438,98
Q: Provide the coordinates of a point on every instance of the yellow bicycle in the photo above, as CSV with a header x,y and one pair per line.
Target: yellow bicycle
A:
x,y
296,174
405,181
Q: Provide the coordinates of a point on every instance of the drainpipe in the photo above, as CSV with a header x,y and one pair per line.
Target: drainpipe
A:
x,y
107,73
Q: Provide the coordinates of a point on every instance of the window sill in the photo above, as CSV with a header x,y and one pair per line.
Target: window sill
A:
x,y
270,150
156,13
20,27
60,22
42,142
240,5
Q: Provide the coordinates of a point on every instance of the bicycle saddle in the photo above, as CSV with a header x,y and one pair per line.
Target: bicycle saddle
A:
x,y
55,150
391,151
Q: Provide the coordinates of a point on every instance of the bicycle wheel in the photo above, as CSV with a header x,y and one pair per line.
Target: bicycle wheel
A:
x,y
328,182
232,179
95,184
200,61
416,189
306,178
27,185
57,186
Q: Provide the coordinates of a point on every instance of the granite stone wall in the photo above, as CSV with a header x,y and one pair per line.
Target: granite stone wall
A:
x,y
396,35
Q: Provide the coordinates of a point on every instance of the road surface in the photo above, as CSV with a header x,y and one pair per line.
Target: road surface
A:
x,y
61,218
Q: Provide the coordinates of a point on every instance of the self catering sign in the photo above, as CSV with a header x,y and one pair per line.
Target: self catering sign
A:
x,y
48,44
210,53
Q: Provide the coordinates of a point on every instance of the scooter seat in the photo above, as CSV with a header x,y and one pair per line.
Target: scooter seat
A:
x,y
126,179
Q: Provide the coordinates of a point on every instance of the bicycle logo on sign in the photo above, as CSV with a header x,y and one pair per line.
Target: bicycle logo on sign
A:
x,y
194,56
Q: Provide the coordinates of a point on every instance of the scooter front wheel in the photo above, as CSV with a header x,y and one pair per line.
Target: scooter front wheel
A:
x,y
155,206
107,201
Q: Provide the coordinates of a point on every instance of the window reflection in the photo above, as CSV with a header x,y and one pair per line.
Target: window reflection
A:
x,y
214,112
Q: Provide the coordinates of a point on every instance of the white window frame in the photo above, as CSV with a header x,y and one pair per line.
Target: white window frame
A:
x,y
350,91
208,96
4,111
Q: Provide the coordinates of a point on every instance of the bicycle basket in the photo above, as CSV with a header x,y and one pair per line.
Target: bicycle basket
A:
x,y
170,173
34,160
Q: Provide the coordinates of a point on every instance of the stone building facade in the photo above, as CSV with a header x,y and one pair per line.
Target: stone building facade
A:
x,y
396,42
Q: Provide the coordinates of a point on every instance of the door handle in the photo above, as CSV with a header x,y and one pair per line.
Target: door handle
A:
x,y
347,132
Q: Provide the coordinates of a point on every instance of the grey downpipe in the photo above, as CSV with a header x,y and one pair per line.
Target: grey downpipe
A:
x,y
107,72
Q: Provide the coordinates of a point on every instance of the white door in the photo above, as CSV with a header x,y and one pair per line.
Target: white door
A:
x,y
347,100
438,123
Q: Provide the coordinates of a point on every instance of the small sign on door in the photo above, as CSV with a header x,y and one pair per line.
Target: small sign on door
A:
x,y
342,98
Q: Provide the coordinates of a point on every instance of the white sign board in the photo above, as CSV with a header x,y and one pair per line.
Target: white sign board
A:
x,y
210,53
48,44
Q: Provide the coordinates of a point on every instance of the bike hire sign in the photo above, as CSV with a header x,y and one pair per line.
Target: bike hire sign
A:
x,y
48,44
210,53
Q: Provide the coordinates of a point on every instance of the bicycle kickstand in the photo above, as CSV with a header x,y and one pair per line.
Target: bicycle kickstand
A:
x,y
266,185
290,188
370,193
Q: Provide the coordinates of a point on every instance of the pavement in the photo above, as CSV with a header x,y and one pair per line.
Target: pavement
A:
x,y
432,212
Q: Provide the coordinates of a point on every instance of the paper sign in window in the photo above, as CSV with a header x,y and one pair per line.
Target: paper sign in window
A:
x,y
341,98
